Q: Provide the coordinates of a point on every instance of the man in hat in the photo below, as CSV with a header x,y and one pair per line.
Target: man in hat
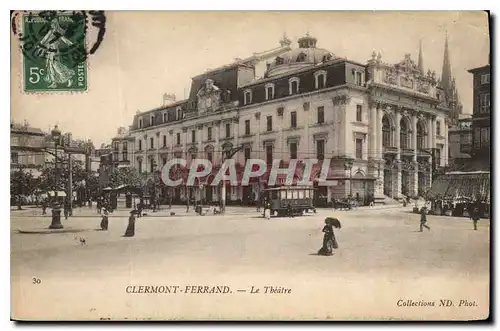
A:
x,y
423,219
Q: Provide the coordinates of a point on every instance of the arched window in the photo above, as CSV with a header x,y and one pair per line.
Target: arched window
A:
x,y
269,91
403,134
420,135
320,79
247,97
293,85
386,132
301,57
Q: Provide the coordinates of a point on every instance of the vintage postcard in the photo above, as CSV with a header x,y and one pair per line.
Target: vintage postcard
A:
x,y
250,166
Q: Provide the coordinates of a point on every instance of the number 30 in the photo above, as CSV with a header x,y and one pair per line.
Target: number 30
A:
x,y
35,73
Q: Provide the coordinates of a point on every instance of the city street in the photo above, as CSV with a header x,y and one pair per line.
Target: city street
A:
x,y
382,261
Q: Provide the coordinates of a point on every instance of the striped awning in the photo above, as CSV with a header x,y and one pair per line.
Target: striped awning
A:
x,y
462,185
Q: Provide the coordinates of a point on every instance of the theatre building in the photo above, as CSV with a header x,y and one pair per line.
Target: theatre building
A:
x,y
375,122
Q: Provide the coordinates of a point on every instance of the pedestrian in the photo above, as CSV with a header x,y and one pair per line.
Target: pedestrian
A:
x,y
187,204
44,207
104,221
258,202
423,219
475,217
170,202
130,232
329,240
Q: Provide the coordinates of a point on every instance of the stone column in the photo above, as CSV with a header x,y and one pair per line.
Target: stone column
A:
x,y
201,151
396,173
380,149
372,151
414,171
184,143
217,147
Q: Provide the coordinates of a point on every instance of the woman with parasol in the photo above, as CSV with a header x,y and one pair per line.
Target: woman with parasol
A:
x,y
329,241
130,232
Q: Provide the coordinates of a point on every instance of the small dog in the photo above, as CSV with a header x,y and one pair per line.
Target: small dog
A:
x,y
82,241
172,213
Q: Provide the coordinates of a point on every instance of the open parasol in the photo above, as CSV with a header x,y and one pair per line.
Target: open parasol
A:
x,y
333,221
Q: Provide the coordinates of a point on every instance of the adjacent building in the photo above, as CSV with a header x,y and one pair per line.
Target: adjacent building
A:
x,y
379,123
26,143
460,142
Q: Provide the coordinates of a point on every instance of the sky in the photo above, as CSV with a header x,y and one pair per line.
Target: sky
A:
x,y
146,54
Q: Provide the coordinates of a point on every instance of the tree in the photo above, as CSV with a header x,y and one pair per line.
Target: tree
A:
x,y
22,183
125,176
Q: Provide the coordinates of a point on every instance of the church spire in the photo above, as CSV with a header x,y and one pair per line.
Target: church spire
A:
x,y
446,73
420,59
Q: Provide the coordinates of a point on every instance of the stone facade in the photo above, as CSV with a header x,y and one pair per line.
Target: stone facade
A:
x,y
384,118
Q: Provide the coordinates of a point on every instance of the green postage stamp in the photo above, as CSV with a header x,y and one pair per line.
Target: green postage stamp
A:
x,y
54,52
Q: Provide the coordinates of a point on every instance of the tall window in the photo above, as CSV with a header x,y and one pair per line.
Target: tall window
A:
x,y
485,79
164,117
269,123
386,132
359,113
403,135
320,149
14,157
247,153
358,78
293,119
139,165
269,154
269,91
438,157
209,156
247,97
484,106
420,136
193,136
485,136
140,144
293,85
151,166
320,79
178,138
209,133
321,115
247,127
359,148
164,141
228,130
293,150
140,123
438,128
125,151
152,120
151,143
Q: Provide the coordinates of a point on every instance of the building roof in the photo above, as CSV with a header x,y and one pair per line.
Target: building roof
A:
x,y
474,70
21,128
306,55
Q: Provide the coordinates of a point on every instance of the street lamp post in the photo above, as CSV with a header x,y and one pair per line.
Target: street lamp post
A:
x,y
348,166
154,185
225,156
56,207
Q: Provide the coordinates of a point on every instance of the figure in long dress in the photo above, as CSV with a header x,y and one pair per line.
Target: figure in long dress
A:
x,y
57,72
130,232
329,241
104,222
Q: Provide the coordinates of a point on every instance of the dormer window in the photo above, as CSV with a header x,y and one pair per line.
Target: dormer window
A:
x,y
359,77
301,57
140,123
320,79
247,97
164,117
152,120
293,85
327,58
269,91
178,113
279,60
